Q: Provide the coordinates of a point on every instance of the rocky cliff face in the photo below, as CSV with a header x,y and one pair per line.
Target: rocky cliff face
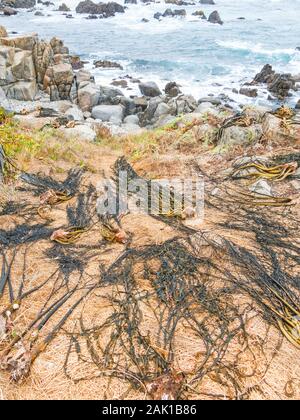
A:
x,y
28,64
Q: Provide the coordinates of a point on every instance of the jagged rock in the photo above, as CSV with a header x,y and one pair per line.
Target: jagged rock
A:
x,y
39,14
252,93
148,115
281,85
88,96
214,17
106,64
3,32
104,9
64,8
91,17
149,89
183,104
111,113
278,84
266,75
172,89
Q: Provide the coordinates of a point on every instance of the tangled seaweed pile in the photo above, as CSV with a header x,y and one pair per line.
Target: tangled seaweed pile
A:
x,y
202,314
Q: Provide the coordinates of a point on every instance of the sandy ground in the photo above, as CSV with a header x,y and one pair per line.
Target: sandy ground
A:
x,y
54,376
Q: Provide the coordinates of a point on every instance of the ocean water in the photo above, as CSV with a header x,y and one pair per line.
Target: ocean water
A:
x,y
204,58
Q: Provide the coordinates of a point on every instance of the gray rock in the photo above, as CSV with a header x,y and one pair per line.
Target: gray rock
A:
x,y
148,115
149,89
251,92
162,109
241,136
132,119
261,187
297,106
8,11
183,104
22,91
103,9
108,94
19,4
157,15
111,113
211,99
81,132
75,114
172,89
88,97
64,8
214,17
205,107
207,2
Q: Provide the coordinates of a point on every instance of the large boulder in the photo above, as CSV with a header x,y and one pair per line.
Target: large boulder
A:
x,y
88,96
149,89
111,113
278,84
81,132
22,91
235,135
104,9
214,17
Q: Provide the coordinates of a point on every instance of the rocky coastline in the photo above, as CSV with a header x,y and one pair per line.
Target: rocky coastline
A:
x,y
42,83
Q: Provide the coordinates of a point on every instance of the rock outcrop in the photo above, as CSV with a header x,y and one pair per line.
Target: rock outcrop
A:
x,y
27,64
104,9
278,84
214,17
